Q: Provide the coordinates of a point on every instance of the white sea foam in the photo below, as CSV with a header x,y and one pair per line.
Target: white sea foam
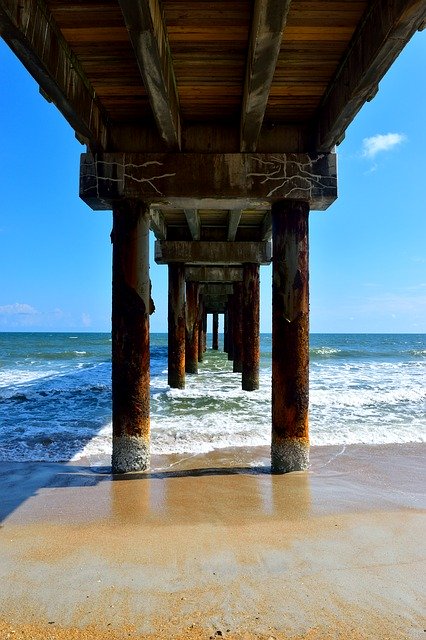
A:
x,y
63,411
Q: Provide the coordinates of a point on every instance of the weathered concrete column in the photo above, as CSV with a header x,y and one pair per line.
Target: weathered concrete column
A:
x,y
130,337
200,329
191,349
238,328
204,331
251,337
230,327
225,331
215,327
290,336
176,326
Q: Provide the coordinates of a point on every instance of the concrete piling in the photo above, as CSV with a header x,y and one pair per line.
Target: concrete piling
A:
x,y
290,336
130,338
251,335
176,326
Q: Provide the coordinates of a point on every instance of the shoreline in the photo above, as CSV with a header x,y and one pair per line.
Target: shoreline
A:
x,y
215,542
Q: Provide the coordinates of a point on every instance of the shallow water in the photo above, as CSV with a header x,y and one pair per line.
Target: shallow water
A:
x,y
55,396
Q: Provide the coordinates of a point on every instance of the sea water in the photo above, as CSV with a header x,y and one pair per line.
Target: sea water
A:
x,y
55,396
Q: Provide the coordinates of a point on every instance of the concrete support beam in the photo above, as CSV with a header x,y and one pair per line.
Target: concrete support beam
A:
x,y
176,326
234,218
251,333
158,225
238,328
218,290
377,42
30,31
191,342
208,180
148,35
267,227
290,337
212,252
214,274
268,20
215,341
130,338
193,220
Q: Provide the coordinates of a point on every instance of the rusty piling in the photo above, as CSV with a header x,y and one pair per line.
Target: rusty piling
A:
x,y
201,329
290,336
251,336
176,326
215,341
130,338
204,330
237,366
225,330
191,341
230,341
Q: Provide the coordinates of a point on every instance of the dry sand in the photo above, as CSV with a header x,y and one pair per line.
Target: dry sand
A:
x,y
209,546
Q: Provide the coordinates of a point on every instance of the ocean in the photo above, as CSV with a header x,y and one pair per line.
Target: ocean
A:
x,y
55,396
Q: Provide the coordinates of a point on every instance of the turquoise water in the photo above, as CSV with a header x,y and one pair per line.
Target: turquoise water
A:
x,y
55,395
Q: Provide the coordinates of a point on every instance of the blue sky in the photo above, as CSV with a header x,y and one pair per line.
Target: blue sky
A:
x,y
368,250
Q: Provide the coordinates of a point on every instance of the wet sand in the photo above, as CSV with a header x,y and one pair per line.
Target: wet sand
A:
x,y
215,546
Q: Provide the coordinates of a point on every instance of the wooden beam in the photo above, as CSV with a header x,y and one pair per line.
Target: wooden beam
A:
x,y
145,24
193,220
234,218
157,224
31,32
211,253
379,39
269,17
208,180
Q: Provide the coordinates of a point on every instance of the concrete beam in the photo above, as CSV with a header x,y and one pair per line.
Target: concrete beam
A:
x,y
193,220
234,218
148,35
217,289
269,18
208,180
267,226
31,32
214,274
379,39
157,224
223,253
215,306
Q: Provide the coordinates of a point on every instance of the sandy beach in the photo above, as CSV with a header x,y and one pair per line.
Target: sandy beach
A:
x,y
209,546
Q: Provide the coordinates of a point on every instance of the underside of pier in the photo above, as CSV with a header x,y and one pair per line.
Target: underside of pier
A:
x,y
213,124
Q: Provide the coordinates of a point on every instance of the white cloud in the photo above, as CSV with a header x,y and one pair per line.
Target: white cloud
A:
x,y
381,142
17,309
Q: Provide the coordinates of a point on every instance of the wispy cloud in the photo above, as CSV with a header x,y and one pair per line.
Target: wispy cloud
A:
x,y
381,142
17,309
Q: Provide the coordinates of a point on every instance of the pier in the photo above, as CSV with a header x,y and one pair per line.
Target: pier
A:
x,y
213,126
